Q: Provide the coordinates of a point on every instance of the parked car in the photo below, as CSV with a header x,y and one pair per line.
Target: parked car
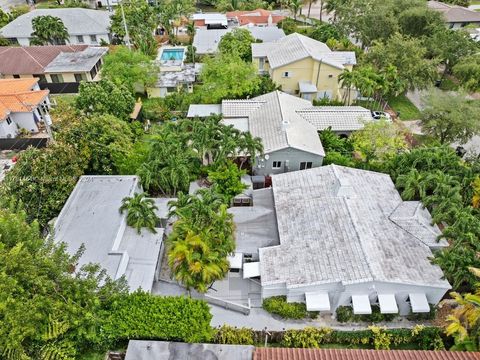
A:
x,y
377,115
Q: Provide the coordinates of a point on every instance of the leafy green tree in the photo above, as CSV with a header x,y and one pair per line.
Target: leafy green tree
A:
x,y
450,117
332,142
451,46
48,30
420,21
467,70
325,31
105,97
464,321
237,42
5,18
129,68
408,55
140,212
42,180
228,77
413,185
173,13
51,308
378,141
288,25
103,139
141,20
226,179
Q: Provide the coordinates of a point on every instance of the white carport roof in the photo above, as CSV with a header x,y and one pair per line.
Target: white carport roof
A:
x,y
419,303
251,270
317,301
361,304
235,260
306,87
388,304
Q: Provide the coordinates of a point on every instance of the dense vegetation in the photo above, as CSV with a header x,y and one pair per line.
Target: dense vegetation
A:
x,y
278,305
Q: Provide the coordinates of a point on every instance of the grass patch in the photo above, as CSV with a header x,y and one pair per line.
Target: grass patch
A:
x,y
93,356
401,104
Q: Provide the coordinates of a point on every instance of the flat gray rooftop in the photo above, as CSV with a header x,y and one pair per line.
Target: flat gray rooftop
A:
x,y
159,350
81,61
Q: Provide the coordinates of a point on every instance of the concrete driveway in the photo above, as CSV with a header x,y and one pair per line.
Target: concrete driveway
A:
x,y
6,4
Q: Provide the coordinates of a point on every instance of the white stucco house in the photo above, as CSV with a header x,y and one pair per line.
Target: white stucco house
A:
x,y
23,106
336,236
84,26
288,127
91,218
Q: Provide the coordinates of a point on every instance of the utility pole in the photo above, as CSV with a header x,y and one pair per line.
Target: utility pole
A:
x,y
127,37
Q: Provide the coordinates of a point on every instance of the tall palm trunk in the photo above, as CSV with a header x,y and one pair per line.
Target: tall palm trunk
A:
x,y
321,11
309,7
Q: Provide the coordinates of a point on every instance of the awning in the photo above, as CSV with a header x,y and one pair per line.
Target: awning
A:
x,y
317,301
419,303
235,260
307,87
388,304
361,304
251,270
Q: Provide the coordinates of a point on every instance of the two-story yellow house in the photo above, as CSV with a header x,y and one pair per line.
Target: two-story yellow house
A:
x,y
303,66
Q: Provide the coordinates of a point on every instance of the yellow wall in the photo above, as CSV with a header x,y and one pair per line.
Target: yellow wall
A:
x,y
67,77
306,70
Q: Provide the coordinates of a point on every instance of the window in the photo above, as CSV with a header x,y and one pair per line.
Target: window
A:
x,y
80,77
305,165
93,38
9,121
287,74
171,89
56,78
41,78
93,72
16,76
80,39
277,165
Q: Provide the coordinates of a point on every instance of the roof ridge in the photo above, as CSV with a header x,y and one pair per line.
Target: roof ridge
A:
x,y
28,53
277,96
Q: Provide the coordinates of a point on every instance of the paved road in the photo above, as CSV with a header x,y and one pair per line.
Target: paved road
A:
x,y
6,4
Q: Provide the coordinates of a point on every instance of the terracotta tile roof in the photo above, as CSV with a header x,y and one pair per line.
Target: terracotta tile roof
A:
x,y
31,59
259,16
16,95
356,354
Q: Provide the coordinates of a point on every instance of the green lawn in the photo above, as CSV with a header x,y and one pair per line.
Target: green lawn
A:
x,y
401,104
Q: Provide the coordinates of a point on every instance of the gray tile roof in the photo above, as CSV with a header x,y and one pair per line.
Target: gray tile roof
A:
x,y
78,21
91,217
206,41
296,47
334,226
272,118
187,75
157,350
81,61
454,13
339,118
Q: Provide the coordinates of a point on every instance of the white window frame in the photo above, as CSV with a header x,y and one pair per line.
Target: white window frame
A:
x,y
276,165
80,39
287,74
93,39
9,120
306,165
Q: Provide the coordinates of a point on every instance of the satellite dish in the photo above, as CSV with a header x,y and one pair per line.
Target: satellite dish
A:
x,y
267,157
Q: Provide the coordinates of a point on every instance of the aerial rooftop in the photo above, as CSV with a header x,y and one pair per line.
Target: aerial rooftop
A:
x,y
348,225
81,61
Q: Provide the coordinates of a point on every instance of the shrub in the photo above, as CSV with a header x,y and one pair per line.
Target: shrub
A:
x,y
345,314
144,316
308,337
423,316
381,338
232,335
278,305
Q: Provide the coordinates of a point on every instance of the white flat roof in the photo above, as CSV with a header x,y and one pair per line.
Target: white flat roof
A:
x,y
204,110
251,270
317,301
388,304
235,260
361,304
419,303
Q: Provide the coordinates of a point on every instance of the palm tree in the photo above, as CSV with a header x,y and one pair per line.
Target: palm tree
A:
x,y
476,193
191,31
413,184
140,212
465,320
347,79
295,6
48,30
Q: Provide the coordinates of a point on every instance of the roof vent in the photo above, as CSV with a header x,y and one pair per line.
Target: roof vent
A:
x,y
285,124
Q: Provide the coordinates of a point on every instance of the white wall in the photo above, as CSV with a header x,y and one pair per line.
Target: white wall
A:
x,y
25,120
8,131
293,156
72,40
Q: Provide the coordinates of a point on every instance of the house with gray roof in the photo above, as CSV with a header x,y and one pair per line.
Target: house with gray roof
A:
x,y
90,219
206,41
288,127
455,16
337,236
84,26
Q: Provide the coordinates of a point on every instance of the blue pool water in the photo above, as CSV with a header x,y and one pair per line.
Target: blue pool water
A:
x,y
172,54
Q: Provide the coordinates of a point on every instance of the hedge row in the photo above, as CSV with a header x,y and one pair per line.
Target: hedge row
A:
x,y
278,305
424,338
143,316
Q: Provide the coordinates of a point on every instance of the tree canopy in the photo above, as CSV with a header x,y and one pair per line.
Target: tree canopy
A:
x,y
467,70
48,30
237,42
105,97
450,117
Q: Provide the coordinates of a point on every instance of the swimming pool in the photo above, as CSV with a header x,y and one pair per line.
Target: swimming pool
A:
x,y
172,54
